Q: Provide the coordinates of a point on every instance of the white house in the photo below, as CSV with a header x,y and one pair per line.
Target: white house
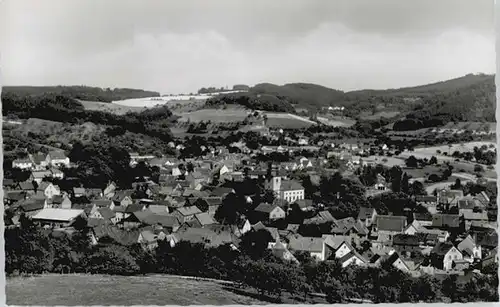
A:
x,y
316,247
49,190
57,158
25,163
289,190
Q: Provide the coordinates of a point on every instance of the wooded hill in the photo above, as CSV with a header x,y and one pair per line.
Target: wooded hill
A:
x,y
81,92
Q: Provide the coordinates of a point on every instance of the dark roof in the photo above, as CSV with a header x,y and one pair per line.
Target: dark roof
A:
x,y
120,195
125,237
422,216
465,203
205,236
265,208
391,223
26,186
403,239
304,203
134,208
106,213
149,218
290,185
15,195
221,191
446,220
365,213
442,248
426,198
32,204
102,202
57,155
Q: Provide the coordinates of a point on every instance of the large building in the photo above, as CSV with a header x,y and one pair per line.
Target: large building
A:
x,y
289,190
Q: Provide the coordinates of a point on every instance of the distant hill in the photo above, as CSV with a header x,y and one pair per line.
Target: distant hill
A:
x,y
81,92
428,89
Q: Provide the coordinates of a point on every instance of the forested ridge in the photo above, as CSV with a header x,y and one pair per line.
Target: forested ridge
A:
x,y
81,92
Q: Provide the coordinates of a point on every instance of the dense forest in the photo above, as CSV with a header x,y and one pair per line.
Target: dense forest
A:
x,y
81,92
264,102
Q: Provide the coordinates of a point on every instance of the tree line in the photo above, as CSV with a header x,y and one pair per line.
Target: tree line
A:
x,y
32,250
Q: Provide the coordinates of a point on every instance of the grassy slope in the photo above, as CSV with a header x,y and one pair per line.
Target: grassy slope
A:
x,y
89,290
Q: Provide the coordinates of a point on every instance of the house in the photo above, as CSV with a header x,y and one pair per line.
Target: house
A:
x,y
265,212
104,203
446,196
31,206
406,244
449,222
148,239
471,217
340,245
40,161
321,217
78,192
123,198
353,258
208,237
426,200
289,190
243,227
38,176
104,214
55,173
443,255
186,214
146,217
56,218
423,219
48,189
316,247
367,215
401,263
389,224
280,250
469,249
57,158
204,219
380,183
61,201
109,191
24,163
304,205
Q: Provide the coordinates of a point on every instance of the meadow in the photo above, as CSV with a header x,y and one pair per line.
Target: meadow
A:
x,y
87,290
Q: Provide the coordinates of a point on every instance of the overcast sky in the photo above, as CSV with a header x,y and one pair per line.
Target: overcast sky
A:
x,y
180,46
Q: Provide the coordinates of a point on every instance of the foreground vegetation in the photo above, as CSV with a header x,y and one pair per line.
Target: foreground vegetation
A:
x,y
251,266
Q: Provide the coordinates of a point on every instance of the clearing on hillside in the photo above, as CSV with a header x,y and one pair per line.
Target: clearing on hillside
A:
x,y
110,107
287,121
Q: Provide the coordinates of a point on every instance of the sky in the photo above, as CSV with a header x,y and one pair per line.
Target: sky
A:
x,y
180,46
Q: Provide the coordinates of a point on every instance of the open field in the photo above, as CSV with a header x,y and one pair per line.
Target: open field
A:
x,y
214,115
86,290
379,115
336,122
110,107
454,147
287,121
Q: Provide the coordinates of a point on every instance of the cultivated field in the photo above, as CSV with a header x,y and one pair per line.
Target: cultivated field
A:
x,y
464,147
214,115
110,107
336,122
287,121
87,290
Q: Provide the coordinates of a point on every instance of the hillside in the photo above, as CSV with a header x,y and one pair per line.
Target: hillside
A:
x,y
81,92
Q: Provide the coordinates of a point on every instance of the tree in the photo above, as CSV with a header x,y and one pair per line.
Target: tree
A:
x,y
457,185
417,188
255,243
405,187
411,161
433,160
478,168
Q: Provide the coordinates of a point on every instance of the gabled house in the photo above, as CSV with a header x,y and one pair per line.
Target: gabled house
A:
x,y
367,215
186,214
24,163
406,244
269,212
316,247
426,200
57,158
204,219
109,191
48,189
27,187
289,190
280,250
450,222
38,176
380,183
469,249
353,258
423,219
443,255
56,218
40,161
78,192
304,205
104,214
61,201
390,224
104,203
471,217
123,198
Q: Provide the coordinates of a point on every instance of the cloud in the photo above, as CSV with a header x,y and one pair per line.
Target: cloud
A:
x,y
171,47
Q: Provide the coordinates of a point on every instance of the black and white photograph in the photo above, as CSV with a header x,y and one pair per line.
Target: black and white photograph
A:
x,y
249,152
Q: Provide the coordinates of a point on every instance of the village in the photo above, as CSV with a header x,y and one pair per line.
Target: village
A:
x,y
448,232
